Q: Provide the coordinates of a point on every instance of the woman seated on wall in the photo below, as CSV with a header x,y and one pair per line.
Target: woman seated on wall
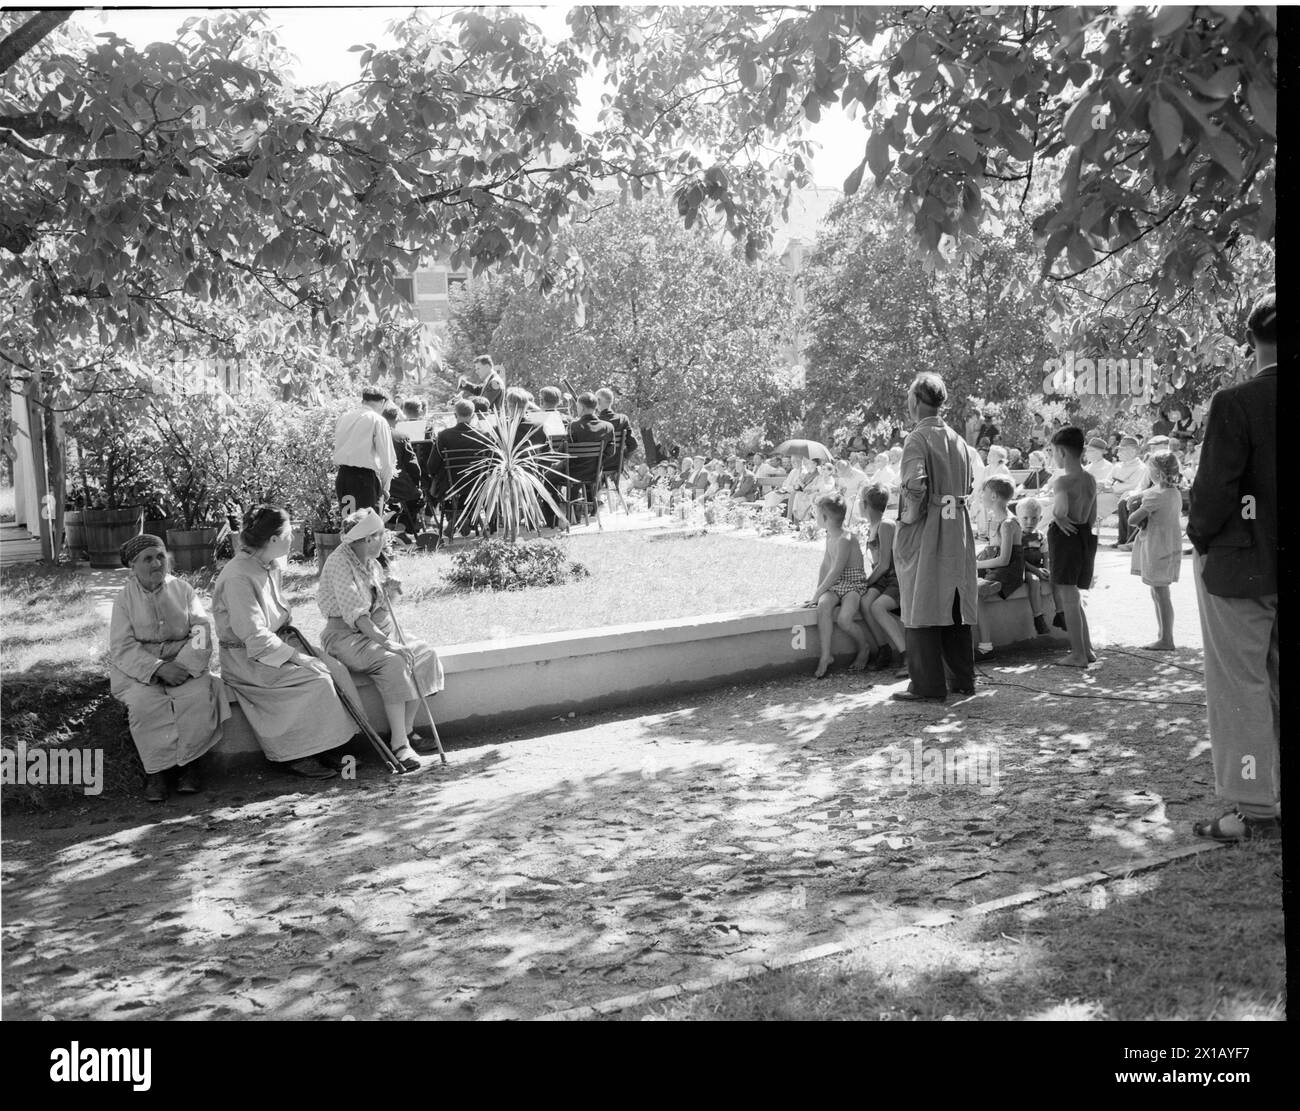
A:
x,y
289,695
360,635
160,644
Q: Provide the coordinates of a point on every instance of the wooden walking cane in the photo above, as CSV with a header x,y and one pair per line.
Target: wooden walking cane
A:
x,y
356,713
424,702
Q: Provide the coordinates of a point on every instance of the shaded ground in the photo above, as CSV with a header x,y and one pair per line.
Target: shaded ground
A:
x,y
1195,940
572,865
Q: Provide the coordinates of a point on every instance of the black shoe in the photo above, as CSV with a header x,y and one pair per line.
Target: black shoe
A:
x,y
1059,620
909,696
963,691
155,788
331,759
1040,625
1235,826
311,768
981,654
189,782
884,657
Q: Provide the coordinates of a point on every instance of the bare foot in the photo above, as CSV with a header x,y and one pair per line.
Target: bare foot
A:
x,y
823,666
860,661
1092,657
1072,660
1159,646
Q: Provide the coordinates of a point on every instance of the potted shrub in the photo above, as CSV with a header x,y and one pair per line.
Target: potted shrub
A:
x,y
197,436
116,459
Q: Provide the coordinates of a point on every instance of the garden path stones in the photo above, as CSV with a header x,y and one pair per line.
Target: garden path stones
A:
x,y
589,864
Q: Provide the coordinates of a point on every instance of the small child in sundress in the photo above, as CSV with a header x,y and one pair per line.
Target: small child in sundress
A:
x,y
1030,514
1158,549
841,583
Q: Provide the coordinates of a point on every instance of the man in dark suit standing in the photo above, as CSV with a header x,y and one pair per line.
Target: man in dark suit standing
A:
x,y
1233,527
588,428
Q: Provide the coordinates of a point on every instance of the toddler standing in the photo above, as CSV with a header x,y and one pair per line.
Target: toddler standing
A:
x,y
1158,549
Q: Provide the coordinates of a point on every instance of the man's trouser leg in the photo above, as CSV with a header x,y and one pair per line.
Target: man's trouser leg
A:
x,y
1240,637
1122,511
958,650
925,660
361,485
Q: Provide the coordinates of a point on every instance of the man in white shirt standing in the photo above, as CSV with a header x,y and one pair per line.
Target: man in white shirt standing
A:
x,y
364,455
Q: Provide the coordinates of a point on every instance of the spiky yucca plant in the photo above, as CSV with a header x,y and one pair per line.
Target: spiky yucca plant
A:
x,y
509,479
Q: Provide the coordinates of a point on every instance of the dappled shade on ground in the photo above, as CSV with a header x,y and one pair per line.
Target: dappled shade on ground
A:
x,y
590,860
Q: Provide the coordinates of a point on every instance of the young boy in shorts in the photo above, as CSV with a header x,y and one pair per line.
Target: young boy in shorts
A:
x,y
1072,541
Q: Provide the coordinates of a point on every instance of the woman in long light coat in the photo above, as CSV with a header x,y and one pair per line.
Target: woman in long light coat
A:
x,y
360,634
160,645
288,695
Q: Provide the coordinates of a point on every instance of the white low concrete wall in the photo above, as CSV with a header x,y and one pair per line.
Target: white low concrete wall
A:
x,y
497,683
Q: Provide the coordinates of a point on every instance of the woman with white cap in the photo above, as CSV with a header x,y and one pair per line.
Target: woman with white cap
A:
x,y
288,695
160,645
360,634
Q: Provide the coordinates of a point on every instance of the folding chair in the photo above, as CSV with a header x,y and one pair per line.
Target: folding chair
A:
x,y
582,468
458,462
610,479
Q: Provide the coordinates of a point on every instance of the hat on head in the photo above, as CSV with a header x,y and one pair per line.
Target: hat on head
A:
x,y
1098,443
137,544
362,523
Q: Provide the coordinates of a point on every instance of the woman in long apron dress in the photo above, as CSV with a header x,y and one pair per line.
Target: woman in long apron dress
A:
x,y
160,645
359,633
287,694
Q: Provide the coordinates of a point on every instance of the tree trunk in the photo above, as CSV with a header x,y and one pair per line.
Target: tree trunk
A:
x,y
652,453
57,470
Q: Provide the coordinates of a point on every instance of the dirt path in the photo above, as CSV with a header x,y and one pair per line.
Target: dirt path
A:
x,y
592,859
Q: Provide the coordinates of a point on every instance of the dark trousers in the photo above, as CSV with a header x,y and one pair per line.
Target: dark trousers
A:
x,y
932,648
362,485
1123,521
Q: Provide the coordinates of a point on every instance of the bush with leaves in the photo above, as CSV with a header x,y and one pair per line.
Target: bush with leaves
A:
x,y
497,564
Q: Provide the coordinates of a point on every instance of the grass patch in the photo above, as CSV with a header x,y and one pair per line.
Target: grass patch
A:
x,y
1141,953
634,578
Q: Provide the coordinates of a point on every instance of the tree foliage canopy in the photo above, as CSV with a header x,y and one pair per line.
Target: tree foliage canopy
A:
x,y
692,338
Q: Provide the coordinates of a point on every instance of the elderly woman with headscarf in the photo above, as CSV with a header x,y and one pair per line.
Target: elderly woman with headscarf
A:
x,y
359,631
289,695
160,644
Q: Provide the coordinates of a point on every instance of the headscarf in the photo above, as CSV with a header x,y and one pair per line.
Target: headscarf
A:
x,y
137,544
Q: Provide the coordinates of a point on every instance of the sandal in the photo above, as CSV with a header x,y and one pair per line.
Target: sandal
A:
x,y
1235,826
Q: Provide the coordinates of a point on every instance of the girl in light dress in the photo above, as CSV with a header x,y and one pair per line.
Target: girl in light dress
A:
x,y
1158,549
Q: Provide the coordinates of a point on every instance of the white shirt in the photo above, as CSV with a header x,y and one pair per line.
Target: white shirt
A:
x,y
1100,470
415,429
1125,476
362,439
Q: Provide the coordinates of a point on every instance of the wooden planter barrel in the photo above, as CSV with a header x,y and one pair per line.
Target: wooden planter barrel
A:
x,y
192,549
326,542
106,530
74,533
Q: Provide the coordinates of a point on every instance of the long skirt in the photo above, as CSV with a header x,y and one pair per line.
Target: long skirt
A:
x,y
293,711
359,654
173,726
